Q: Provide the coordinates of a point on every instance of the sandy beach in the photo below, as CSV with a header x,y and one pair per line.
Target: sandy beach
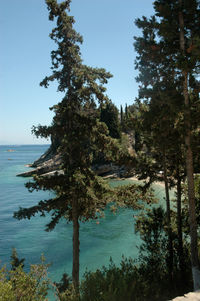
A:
x,y
155,183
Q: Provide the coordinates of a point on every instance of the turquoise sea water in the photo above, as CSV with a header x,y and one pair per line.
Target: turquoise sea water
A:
x,y
113,237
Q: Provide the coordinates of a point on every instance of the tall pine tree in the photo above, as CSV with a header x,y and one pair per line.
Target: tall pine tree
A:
x,y
182,18
79,195
169,54
110,115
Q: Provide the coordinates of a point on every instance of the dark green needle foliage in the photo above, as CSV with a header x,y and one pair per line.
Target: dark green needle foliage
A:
x,y
110,115
168,63
78,194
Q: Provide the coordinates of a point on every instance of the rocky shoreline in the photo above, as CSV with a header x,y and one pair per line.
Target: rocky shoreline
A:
x,y
50,163
41,167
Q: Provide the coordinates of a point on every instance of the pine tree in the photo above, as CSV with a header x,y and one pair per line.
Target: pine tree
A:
x,y
169,56
184,48
79,194
158,117
110,115
121,115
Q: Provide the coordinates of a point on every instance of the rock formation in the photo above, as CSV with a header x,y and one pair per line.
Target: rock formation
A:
x,y
50,162
194,296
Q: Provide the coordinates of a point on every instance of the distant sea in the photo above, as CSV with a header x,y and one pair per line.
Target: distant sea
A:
x,y
112,237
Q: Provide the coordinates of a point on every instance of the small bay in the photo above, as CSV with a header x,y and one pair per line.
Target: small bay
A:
x,y
112,236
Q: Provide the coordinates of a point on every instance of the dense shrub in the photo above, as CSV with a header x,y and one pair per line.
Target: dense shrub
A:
x,y
18,285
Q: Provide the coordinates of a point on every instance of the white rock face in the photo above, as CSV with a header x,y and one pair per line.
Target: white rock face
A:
x,y
195,296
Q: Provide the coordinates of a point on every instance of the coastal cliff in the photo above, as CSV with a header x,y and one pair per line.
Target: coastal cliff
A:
x,y
50,162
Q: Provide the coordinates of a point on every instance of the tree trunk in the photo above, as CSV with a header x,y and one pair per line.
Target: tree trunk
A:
x,y
75,211
179,228
169,230
192,213
75,269
189,165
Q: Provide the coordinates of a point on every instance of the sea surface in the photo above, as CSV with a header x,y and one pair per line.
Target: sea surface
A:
x,y
113,236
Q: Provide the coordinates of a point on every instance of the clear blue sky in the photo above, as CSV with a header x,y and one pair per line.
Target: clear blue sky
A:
x,y
107,27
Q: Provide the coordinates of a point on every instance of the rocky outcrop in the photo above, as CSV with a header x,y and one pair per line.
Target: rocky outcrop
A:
x,y
50,162
194,296
131,142
44,167
109,170
49,154
52,166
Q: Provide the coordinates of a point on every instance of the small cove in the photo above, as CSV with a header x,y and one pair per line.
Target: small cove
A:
x,y
112,237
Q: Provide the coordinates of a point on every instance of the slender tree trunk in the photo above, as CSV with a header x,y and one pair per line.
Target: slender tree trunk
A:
x,y
75,212
169,230
189,166
192,213
179,226
75,269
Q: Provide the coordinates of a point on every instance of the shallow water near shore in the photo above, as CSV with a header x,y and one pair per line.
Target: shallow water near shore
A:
x,y
113,236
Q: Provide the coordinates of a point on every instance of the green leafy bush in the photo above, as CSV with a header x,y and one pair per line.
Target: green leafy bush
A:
x,y
18,285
